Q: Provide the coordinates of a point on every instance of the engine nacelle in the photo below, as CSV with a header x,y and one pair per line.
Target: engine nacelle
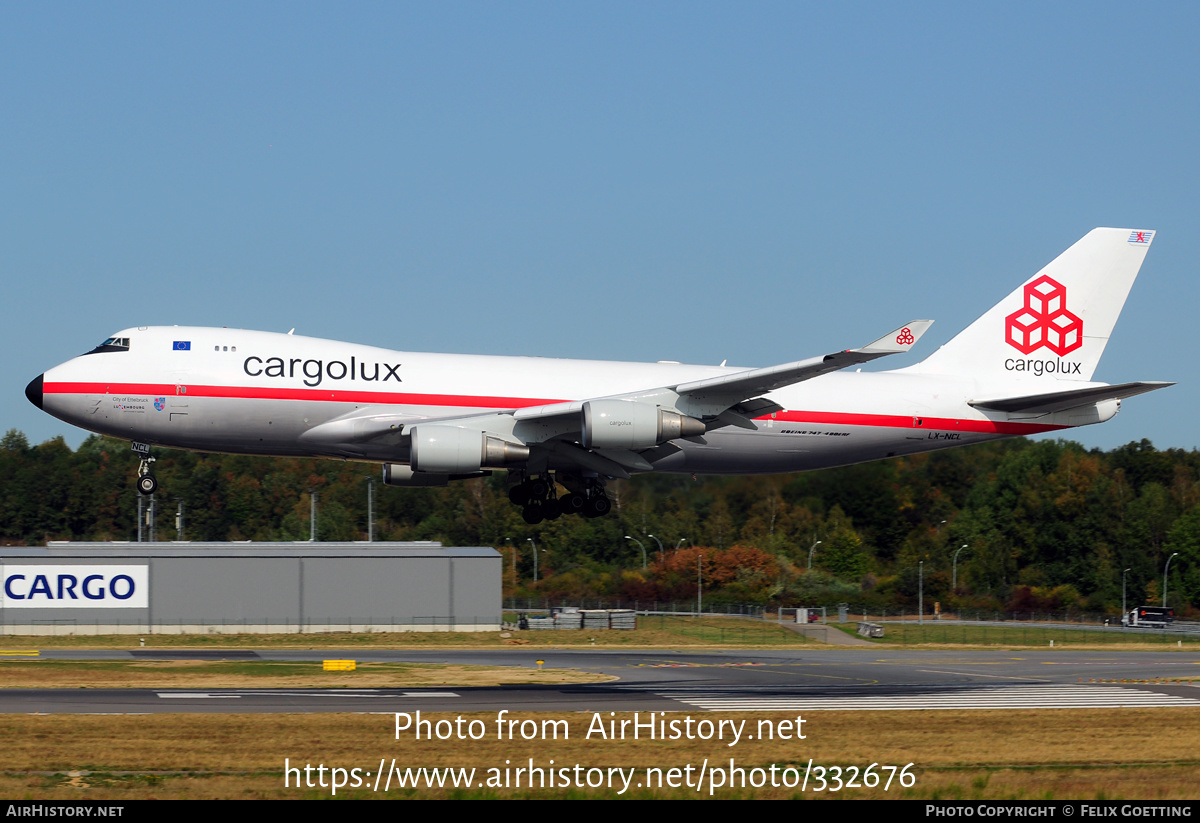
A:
x,y
627,424
451,450
398,474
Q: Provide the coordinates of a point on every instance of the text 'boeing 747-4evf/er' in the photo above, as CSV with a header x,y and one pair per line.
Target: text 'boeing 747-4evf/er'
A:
x,y
1024,367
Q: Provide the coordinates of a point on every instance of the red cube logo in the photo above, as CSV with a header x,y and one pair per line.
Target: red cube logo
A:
x,y
1064,332
1024,331
1044,320
1045,297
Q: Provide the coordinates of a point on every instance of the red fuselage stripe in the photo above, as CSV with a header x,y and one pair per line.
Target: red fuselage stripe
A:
x,y
264,393
943,424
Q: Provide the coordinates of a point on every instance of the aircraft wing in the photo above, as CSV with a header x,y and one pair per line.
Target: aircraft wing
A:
x,y
751,383
559,430
1063,400
738,392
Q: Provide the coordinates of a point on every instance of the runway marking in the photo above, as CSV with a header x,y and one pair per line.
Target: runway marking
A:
x,y
983,674
706,665
825,676
19,654
900,662
194,695
987,697
429,694
337,693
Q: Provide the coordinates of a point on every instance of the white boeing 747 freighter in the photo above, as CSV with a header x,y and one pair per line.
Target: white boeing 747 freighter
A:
x,y
1024,367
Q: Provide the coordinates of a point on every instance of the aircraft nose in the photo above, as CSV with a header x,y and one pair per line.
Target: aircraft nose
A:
x,y
34,390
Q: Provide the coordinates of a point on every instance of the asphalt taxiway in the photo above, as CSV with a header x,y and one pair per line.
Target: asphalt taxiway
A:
x,y
674,680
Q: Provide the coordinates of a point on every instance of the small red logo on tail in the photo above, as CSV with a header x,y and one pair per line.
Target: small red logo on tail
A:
x,y
1044,321
905,337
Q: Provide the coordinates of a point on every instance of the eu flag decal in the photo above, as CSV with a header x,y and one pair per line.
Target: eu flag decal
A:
x,y
182,345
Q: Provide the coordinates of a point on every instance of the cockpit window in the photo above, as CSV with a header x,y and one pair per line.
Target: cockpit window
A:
x,y
112,344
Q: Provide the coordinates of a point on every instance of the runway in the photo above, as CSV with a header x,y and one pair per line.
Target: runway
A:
x,y
668,680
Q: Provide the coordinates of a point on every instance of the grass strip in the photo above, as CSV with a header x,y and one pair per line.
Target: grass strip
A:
x,y
1134,754
218,674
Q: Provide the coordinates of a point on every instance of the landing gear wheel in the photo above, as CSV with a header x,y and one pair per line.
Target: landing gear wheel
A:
x,y
146,483
551,510
597,507
519,494
572,503
532,514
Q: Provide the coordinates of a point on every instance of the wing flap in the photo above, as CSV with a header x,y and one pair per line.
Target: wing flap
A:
x,y
567,409
589,460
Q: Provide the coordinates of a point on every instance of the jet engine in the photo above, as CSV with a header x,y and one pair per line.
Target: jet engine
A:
x,y
451,450
398,474
625,424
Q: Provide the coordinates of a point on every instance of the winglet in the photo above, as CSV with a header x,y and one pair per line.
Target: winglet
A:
x,y
900,340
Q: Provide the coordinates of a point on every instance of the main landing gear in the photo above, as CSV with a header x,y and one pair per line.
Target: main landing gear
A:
x,y
147,483
538,501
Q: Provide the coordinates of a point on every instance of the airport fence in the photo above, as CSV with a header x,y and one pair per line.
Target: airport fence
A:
x,y
984,633
1023,628
678,607
828,612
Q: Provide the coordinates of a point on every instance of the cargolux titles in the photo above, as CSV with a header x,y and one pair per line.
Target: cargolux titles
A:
x,y
314,371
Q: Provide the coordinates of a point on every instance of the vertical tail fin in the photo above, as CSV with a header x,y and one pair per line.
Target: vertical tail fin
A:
x,y
1056,324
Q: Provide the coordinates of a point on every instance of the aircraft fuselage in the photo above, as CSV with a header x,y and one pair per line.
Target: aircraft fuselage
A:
x,y
253,392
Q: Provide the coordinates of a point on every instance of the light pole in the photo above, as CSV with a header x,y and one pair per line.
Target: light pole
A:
x,y
179,518
682,540
920,592
370,509
640,546
1124,608
530,541
312,516
810,553
1169,559
699,591
508,540
660,548
954,574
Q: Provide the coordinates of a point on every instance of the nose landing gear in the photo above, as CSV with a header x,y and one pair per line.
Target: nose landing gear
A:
x,y
147,483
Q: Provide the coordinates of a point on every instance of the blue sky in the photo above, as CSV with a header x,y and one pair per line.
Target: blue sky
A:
x,y
686,181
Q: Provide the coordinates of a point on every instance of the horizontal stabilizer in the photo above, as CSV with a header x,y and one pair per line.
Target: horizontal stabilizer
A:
x,y
1063,400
